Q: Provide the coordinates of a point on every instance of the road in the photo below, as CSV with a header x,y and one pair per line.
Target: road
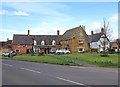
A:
x,y
31,73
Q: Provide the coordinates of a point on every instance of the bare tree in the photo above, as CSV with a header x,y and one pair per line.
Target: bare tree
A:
x,y
107,30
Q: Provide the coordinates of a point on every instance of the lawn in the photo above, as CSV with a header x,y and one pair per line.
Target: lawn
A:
x,y
43,59
96,59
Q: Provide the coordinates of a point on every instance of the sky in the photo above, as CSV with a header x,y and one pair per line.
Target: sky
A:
x,y
45,18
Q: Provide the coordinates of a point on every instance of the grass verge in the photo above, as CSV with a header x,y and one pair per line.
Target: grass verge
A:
x,y
43,59
95,59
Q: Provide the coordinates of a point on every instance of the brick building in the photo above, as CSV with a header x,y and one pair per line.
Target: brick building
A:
x,y
38,43
115,45
75,40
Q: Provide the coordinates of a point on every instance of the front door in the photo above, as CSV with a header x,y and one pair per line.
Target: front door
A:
x,y
27,51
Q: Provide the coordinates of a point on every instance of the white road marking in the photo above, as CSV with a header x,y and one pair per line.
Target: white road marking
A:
x,y
70,81
7,64
77,67
30,70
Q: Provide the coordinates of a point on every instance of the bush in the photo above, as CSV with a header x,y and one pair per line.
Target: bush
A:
x,y
111,51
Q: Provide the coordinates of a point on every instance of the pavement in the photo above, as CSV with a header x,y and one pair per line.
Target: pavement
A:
x,y
30,73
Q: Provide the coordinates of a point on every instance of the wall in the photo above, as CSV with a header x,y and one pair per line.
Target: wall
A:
x,y
21,48
74,43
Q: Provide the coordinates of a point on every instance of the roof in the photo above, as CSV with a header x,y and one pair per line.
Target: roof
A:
x,y
25,39
9,42
69,33
95,37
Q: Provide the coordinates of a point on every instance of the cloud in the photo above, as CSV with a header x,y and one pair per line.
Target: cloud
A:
x,y
3,12
6,30
20,13
114,18
96,25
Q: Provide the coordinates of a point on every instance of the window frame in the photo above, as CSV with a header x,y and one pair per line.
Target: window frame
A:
x,y
80,48
80,42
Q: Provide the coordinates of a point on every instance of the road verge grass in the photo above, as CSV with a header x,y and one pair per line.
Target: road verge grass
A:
x,y
43,59
95,59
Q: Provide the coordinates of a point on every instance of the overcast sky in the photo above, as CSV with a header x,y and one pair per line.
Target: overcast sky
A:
x,y
48,17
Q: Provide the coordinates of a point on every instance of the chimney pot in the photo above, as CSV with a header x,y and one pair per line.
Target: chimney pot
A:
x,y
91,32
102,30
28,32
83,27
7,39
58,32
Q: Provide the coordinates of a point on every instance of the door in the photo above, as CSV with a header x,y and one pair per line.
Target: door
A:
x,y
27,51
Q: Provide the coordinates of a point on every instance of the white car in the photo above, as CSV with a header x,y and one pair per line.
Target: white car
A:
x,y
62,51
6,53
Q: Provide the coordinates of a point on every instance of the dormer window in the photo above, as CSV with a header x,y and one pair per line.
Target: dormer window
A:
x,y
42,42
53,42
35,43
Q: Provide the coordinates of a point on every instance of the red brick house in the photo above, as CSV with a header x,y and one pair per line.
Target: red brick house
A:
x,y
38,43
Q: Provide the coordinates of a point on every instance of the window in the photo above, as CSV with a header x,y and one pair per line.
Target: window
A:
x,y
80,49
42,42
114,47
35,43
80,33
18,45
80,41
24,45
53,42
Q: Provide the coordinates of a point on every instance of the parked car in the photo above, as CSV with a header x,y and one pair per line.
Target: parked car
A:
x,y
6,53
62,51
13,53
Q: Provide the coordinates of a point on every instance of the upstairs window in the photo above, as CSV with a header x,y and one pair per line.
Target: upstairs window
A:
x,y
24,45
42,42
53,42
80,41
80,33
18,45
35,43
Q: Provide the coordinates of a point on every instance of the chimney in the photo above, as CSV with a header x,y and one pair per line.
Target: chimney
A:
x,y
58,32
7,39
102,30
91,32
28,32
83,27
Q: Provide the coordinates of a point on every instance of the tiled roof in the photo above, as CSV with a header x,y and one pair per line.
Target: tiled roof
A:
x,y
25,39
69,33
95,37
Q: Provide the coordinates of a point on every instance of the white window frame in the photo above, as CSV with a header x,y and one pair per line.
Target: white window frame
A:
x,y
80,42
80,48
18,45
35,42
17,49
42,42
53,42
80,33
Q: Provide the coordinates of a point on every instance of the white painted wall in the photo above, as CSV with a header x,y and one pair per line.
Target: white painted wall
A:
x,y
98,45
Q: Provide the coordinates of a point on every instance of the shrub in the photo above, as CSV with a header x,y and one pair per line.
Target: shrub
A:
x,y
111,51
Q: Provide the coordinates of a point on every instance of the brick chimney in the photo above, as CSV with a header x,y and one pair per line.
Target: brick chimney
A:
x,y
91,32
7,39
102,30
28,32
58,32
83,27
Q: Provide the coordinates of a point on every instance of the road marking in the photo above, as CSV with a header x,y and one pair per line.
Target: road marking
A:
x,y
7,64
70,81
77,67
30,70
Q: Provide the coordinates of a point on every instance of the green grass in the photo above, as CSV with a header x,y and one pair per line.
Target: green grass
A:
x,y
43,59
96,59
